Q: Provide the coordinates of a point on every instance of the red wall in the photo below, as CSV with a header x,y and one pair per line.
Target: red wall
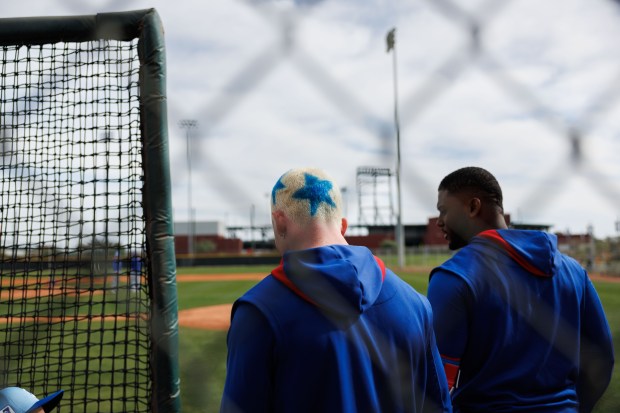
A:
x,y
229,245
433,235
372,241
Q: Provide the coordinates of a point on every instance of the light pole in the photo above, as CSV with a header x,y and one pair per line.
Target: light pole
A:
x,y
344,192
591,248
189,125
252,214
400,234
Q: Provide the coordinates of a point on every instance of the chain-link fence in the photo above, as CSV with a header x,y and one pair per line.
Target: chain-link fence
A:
x,y
527,89
524,89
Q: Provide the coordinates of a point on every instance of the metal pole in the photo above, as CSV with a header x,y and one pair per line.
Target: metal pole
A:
x,y
591,248
400,235
252,213
188,125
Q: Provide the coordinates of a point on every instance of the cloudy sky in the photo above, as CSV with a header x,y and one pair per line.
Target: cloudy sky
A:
x,y
525,88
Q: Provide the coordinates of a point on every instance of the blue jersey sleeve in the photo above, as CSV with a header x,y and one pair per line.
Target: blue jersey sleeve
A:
x,y
449,298
248,386
437,385
450,301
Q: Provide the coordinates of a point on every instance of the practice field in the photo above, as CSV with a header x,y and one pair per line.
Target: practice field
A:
x,y
212,317
206,294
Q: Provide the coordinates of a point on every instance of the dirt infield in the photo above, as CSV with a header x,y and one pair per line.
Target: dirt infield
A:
x,y
214,317
605,278
217,317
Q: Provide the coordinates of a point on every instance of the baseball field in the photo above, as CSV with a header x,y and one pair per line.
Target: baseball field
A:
x,y
206,293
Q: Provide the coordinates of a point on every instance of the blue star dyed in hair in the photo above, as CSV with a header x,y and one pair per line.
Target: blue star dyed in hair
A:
x,y
279,185
316,191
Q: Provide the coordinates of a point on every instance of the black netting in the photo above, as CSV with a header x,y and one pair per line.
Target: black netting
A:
x,y
74,299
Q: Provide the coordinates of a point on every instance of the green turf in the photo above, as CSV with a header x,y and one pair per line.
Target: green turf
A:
x,y
416,260
110,357
85,361
203,369
203,353
200,294
610,297
227,269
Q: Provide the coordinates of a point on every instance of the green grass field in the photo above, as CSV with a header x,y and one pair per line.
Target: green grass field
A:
x,y
78,342
203,353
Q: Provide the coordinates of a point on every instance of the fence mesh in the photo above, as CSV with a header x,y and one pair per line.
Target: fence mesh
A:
x,y
515,53
527,91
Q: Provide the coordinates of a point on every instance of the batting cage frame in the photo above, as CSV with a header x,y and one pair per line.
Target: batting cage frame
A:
x,y
88,298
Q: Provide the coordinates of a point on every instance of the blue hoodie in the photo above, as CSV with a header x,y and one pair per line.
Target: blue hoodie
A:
x,y
332,330
523,324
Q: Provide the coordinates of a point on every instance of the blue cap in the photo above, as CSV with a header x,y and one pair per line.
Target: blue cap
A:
x,y
18,400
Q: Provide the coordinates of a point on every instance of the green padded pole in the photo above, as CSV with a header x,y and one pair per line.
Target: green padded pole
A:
x,y
158,210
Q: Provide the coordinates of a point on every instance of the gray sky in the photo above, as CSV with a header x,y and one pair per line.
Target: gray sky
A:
x,y
277,84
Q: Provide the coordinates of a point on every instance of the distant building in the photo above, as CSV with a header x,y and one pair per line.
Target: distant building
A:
x,y
215,237
579,246
434,236
572,240
200,227
206,237
370,241
428,234
377,235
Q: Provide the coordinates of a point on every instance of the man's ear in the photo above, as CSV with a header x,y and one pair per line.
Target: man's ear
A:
x,y
475,206
279,222
343,226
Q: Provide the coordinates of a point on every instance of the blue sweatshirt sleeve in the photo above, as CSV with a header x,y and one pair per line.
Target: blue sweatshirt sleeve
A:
x,y
596,359
450,300
448,295
437,384
248,386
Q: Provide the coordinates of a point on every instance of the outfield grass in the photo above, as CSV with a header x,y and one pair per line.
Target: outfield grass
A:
x,y
203,353
79,342
91,366
200,294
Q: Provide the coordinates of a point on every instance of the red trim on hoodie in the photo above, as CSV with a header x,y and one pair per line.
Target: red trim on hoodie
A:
x,y
451,366
280,275
382,266
494,236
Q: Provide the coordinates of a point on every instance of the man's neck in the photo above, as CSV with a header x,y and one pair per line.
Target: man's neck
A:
x,y
314,236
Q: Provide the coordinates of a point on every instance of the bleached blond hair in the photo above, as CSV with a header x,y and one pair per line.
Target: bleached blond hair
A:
x,y
307,194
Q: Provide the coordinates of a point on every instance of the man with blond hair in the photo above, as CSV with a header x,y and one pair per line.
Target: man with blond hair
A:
x,y
330,329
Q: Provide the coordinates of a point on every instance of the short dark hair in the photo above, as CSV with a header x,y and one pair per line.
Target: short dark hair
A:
x,y
476,179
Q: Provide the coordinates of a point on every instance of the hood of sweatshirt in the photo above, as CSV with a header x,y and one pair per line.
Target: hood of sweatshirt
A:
x,y
535,251
342,280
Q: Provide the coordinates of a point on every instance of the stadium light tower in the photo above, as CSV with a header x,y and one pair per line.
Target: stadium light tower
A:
x,y
189,125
